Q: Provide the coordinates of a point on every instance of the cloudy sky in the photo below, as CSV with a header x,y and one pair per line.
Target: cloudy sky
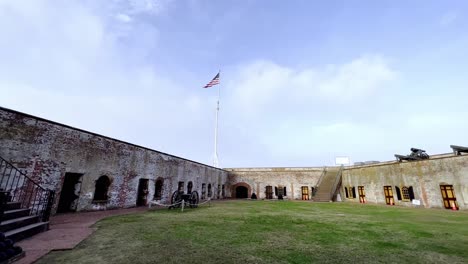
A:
x,y
301,81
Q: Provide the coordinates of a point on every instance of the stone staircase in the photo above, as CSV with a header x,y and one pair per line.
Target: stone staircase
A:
x,y
325,190
18,223
24,205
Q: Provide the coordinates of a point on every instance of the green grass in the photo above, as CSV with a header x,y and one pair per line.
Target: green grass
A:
x,y
277,232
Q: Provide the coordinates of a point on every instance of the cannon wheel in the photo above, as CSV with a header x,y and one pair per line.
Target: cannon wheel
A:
x,y
193,199
176,198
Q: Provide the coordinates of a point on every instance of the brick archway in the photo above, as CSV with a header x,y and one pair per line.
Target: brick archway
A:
x,y
241,184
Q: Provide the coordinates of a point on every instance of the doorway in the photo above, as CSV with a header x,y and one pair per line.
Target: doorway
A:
x,y
362,194
305,192
389,195
448,195
142,192
242,192
70,192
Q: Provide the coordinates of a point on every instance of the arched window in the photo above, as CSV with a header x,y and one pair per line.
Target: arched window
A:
x,y
209,190
101,188
158,189
189,187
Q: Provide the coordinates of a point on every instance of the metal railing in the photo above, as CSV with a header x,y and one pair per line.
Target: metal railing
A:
x,y
336,183
18,187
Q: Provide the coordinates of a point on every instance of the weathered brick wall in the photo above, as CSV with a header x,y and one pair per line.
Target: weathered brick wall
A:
x,y
46,151
424,176
256,179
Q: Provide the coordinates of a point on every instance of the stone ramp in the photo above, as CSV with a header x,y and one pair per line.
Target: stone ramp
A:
x,y
324,192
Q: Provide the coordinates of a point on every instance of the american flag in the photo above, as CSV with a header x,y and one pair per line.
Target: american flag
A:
x,y
213,82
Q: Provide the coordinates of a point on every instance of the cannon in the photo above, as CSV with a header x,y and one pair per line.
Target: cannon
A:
x,y
190,198
457,150
416,154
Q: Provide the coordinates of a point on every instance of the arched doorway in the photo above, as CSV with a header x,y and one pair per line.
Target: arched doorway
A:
x,y
242,192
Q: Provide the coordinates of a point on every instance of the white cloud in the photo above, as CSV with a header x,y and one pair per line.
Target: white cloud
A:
x,y
123,18
260,84
448,19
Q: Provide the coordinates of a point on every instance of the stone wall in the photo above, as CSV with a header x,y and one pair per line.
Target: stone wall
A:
x,y
424,176
256,180
46,150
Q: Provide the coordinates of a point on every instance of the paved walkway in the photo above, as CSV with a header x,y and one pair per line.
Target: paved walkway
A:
x,y
66,231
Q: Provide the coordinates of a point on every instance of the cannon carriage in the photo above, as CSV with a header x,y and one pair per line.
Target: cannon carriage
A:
x,y
191,199
416,154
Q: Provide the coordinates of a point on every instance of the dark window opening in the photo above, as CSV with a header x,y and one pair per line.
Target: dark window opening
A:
x,y
398,193
209,190
180,187
223,192
203,191
101,189
158,189
354,192
276,191
346,192
284,191
218,191
411,193
189,187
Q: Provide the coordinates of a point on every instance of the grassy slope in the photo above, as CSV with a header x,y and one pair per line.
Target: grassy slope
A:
x,y
277,232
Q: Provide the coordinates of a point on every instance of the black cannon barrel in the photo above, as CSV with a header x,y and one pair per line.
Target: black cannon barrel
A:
x,y
417,150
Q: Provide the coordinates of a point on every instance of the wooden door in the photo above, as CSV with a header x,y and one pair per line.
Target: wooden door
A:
x,y
269,192
448,196
389,195
362,195
305,192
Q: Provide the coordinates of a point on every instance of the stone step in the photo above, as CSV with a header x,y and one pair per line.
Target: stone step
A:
x,y
12,205
27,231
16,213
11,224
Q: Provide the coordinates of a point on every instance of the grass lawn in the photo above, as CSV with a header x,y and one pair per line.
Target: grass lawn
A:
x,y
277,232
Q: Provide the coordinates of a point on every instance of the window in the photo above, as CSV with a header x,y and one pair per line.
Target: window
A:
x,y
189,187
218,191
398,193
305,192
209,190
350,192
158,189
269,192
284,191
223,192
280,191
181,186
312,191
101,188
203,191
405,193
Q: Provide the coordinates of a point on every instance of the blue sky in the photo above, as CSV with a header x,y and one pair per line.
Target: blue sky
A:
x,y
301,81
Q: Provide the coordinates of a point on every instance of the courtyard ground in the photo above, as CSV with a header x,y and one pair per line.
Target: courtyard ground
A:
x,y
276,232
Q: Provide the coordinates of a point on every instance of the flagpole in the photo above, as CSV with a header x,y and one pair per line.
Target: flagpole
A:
x,y
215,159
